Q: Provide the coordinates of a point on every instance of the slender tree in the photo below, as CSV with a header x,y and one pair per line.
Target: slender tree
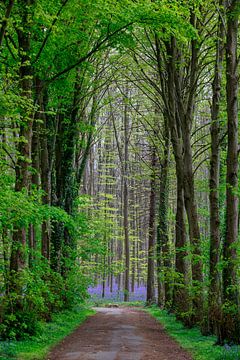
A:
x,y
152,230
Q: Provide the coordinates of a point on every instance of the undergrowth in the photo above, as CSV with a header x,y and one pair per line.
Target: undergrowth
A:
x,y
37,347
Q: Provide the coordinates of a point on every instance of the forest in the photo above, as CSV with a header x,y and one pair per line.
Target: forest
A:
x,y
119,152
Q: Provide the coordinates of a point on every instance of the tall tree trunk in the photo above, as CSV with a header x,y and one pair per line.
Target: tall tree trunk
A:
x,y
163,249
181,300
45,179
35,181
214,295
56,195
186,98
66,186
231,318
151,232
18,254
134,228
194,231
126,203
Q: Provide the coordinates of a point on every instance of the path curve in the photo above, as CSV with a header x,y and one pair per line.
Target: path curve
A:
x,y
119,334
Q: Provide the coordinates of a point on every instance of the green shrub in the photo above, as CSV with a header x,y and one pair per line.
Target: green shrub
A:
x,y
44,292
20,325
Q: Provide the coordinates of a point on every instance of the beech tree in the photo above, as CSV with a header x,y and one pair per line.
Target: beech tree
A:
x,y
230,325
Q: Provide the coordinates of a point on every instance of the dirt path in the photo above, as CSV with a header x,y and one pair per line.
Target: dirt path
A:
x,y
119,334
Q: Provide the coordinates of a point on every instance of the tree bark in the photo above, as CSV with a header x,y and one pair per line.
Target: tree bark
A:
x,y
214,295
186,98
231,319
126,203
151,299
163,250
45,179
194,231
181,299
18,254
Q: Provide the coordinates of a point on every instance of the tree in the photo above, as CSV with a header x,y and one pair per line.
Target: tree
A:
x,y
214,300
230,326
152,231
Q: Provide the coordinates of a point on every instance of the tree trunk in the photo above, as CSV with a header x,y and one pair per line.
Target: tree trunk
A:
x,y
214,295
186,98
231,318
45,181
194,231
35,181
181,300
18,254
66,185
151,235
126,204
163,249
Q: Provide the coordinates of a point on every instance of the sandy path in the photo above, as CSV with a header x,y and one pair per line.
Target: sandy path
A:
x,y
119,334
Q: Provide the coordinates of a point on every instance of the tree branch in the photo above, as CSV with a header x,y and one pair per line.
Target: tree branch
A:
x,y
4,21
89,54
49,31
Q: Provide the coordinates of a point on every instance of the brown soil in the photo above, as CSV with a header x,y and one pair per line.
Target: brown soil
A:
x,y
119,334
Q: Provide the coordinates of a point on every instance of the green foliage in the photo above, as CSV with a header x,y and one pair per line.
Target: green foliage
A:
x,y
20,209
20,325
37,347
44,292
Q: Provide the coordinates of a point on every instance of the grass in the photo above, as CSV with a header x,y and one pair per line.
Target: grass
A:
x,y
37,348
199,346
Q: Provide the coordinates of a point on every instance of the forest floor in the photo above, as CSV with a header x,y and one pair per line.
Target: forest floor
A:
x,y
119,334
